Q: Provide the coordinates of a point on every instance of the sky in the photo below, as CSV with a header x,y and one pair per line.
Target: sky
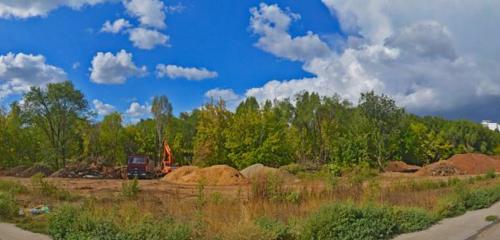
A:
x,y
433,57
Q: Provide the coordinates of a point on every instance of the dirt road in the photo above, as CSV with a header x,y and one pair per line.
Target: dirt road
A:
x,y
471,225
11,232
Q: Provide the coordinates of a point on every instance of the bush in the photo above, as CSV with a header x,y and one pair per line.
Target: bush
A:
x,y
412,219
490,174
464,199
70,222
346,221
8,206
293,168
272,187
130,189
276,230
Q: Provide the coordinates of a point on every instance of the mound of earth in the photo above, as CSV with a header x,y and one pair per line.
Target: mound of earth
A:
x,y
35,170
400,166
469,163
15,171
214,175
259,171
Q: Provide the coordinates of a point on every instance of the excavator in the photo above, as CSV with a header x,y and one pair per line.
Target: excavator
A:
x,y
139,166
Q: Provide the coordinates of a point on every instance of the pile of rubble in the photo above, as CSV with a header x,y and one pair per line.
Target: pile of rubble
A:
x,y
93,170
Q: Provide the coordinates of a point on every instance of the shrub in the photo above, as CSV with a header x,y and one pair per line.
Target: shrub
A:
x,y
293,168
8,206
62,222
130,189
70,222
412,219
346,221
272,187
464,199
276,230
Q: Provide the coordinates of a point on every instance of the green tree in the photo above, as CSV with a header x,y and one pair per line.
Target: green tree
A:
x,y
209,143
112,139
162,112
55,111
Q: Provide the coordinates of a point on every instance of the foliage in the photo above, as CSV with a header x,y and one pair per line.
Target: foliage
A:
x,y
308,130
276,229
69,222
8,206
465,199
348,221
12,187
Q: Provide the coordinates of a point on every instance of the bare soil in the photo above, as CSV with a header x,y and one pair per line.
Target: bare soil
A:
x,y
469,163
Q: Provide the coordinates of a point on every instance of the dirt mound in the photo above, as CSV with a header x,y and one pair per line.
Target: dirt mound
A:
x,y
36,169
469,163
214,175
400,166
259,171
15,171
79,170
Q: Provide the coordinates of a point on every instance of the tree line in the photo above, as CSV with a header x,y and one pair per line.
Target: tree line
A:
x,y
55,126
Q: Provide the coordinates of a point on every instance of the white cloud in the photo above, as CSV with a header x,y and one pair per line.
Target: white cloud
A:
x,y
117,26
147,39
271,24
27,8
410,50
137,111
149,12
114,69
103,109
18,72
190,73
228,95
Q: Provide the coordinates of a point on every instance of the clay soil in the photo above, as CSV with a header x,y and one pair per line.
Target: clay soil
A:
x,y
469,163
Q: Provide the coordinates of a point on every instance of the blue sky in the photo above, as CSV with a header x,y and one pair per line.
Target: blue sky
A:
x,y
406,50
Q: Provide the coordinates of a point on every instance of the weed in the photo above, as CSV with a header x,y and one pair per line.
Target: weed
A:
x,y
490,174
130,188
43,188
276,229
12,187
491,218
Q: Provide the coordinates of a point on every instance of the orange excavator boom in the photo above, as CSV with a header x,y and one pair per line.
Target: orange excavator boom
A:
x,y
168,158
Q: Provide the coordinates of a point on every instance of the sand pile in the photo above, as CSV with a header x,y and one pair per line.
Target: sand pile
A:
x,y
469,163
400,166
36,169
214,175
259,171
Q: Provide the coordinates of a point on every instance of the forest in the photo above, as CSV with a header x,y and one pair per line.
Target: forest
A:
x,y
54,126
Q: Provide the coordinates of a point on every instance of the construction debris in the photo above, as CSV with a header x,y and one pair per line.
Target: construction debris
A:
x,y
214,175
93,170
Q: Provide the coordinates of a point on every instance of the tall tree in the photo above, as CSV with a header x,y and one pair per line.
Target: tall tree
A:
x,y
162,112
56,111
112,139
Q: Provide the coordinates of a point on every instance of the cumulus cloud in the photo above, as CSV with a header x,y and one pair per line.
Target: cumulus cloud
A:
x,y
114,69
406,49
136,111
228,95
115,27
271,24
189,73
147,39
27,9
20,71
149,12
101,108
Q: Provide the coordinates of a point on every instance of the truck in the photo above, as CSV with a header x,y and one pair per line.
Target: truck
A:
x,y
141,167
